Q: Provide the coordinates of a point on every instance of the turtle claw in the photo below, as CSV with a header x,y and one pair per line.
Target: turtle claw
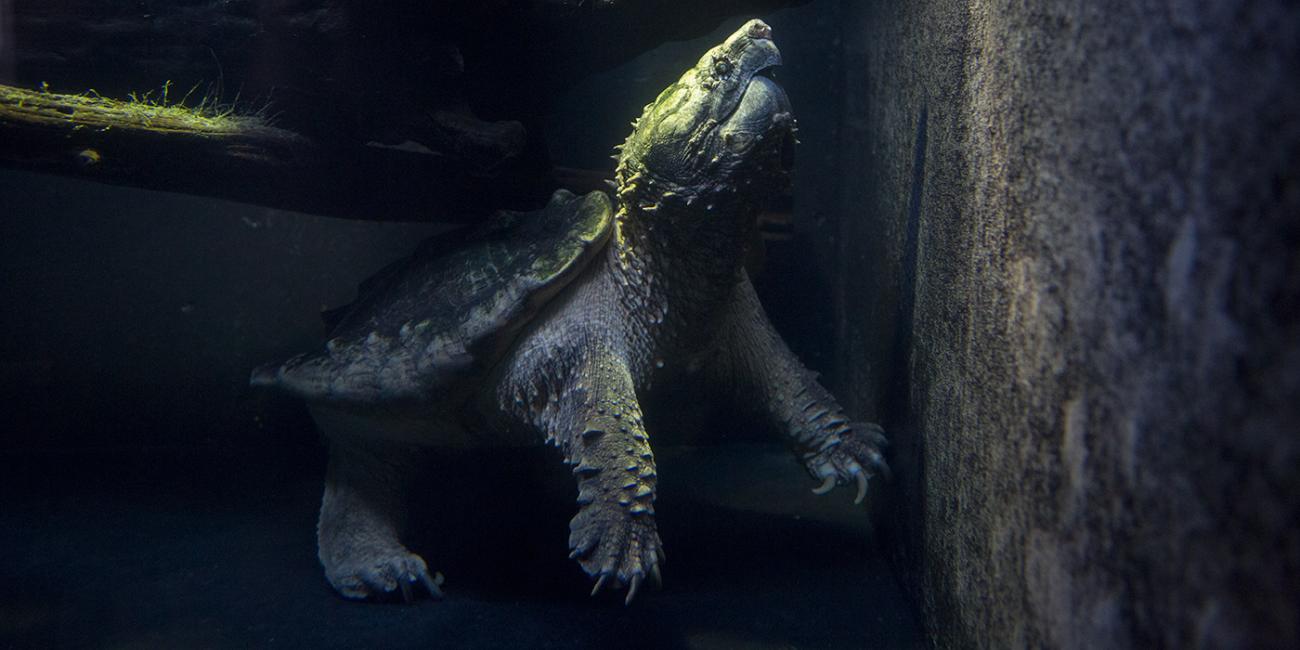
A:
x,y
600,584
430,583
633,587
878,463
872,432
433,583
862,487
383,574
855,457
617,552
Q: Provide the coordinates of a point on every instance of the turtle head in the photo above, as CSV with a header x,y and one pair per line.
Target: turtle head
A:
x,y
721,135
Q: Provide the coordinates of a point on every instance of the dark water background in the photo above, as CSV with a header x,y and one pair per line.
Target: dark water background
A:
x,y
150,499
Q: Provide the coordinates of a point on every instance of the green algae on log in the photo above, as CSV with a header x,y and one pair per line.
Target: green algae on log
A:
x,y
90,110
214,151
88,118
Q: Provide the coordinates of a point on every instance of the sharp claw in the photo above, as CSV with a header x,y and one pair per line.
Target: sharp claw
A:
x,y
632,589
600,584
407,597
581,548
872,432
827,485
884,469
862,487
655,576
878,463
432,584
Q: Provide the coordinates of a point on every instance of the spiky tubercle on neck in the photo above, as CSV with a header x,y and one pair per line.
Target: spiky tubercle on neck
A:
x,y
676,253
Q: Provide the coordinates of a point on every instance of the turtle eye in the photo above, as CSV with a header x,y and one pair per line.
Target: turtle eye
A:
x,y
721,67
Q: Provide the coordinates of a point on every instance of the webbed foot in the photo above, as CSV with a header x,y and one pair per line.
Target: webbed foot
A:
x,y
854,457
616,548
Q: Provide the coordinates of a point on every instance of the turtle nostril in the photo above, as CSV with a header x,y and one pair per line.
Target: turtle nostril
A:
x,y
759,29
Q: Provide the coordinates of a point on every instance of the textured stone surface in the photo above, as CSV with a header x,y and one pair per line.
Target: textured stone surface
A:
x,y
1081,225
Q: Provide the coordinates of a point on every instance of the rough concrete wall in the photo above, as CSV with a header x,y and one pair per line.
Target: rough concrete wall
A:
x,y
1082,225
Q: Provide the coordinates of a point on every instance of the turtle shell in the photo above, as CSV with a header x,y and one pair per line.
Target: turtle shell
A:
x,y
450,309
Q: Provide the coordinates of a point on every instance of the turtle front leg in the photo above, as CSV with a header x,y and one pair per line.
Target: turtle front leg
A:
x,y
757,361
599,428
361,517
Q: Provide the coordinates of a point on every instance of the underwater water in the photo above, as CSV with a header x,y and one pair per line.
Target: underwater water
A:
x,y
861,324
151,498
143,516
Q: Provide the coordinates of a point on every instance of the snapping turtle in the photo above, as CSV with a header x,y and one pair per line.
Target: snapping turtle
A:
x,y
557,322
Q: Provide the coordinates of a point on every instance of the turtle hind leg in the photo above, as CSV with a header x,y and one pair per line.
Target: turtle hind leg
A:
x,y
361,519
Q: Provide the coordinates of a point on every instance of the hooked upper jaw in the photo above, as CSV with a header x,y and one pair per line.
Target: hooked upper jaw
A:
x,y
731,68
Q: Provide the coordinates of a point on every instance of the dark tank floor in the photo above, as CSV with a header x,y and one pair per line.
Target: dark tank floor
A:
x,y
161,552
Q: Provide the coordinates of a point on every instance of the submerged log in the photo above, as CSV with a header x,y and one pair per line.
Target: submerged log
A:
x,y
211,151
376,102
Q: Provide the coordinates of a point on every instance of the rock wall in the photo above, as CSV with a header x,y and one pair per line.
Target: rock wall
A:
x,y
1068,283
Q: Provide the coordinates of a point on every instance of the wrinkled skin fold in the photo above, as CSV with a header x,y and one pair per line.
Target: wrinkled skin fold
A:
x,y
653,293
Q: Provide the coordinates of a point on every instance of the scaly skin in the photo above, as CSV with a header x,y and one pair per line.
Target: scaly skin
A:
x,y
761,369
362,513
671,292
591,413
667,294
